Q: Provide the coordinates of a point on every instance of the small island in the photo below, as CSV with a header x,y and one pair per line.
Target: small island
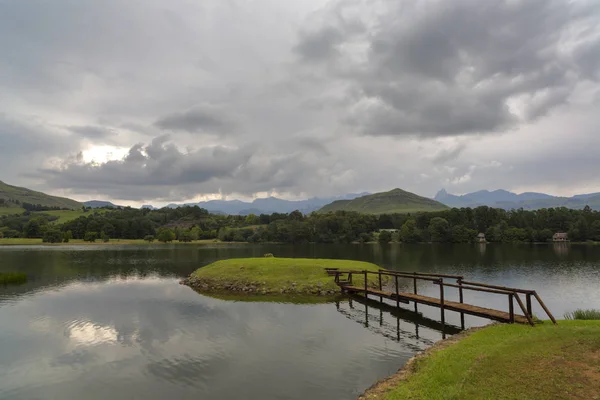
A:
x,y
274,276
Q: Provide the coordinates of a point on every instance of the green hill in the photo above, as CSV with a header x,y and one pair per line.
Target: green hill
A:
x,y
11,197
394,201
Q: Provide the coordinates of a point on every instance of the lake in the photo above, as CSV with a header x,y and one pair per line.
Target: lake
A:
x,y
100,322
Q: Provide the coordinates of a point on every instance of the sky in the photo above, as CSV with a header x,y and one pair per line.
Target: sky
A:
x,y
153,101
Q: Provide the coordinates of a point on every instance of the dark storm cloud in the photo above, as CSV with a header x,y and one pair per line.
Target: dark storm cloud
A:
x,y
160,170
159,163
203,118
435,68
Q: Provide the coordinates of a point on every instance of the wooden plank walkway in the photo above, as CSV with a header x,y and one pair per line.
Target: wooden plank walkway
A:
x,y
404,297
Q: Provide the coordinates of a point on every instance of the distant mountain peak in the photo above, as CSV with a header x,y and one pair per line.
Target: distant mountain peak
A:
x,y
395,201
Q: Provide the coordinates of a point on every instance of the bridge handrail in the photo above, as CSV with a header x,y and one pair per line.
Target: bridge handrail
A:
x,y
424,274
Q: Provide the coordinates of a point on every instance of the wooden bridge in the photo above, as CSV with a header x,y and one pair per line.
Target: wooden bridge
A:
x,y
344,279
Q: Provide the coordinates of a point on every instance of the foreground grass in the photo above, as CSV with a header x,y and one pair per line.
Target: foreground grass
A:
x,y
12,278
290,275
510,362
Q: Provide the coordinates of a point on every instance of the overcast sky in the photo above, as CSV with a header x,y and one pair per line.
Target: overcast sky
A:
x,y
154,101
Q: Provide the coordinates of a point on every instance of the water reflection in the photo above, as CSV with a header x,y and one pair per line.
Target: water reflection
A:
x,y
371,315
151,337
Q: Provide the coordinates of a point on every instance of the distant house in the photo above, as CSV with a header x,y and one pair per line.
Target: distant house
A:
x,y
560,237
481,238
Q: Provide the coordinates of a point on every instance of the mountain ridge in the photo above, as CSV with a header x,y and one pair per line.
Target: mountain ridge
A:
x,y
17,195
507,200
393,201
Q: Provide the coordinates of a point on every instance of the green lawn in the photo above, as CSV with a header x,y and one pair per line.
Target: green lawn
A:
x,y
274,274
65,215
507,362
11,210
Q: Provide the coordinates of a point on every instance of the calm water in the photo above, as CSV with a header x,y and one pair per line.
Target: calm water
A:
x,y
113,322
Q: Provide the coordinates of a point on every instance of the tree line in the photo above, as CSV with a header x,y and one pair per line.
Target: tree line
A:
x,y
194,223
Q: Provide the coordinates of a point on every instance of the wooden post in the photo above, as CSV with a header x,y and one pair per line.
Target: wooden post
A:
x,y
415,282
461,299
511,308
380,287
397,293
350,278
366,287
544,307
528,300
442,301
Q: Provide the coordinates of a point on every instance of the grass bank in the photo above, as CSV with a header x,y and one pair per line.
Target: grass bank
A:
x,y
506,362
12,278
274,276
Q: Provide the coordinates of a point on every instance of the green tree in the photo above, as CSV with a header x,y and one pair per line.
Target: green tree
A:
x,y
90,237
104,237
595,230
385,237
462,234
35,227
52,235
365,237
409,232
252,219
67,236
439,229
185,236
149,238
165,235
544,235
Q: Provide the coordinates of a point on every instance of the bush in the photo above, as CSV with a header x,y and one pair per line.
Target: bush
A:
x,y
149,238
68,235
385,237
583,314
268,255
90,237
52,236
105,238
165,235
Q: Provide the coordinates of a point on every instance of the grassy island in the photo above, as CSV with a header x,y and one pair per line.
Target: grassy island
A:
x,y
504,362
275,276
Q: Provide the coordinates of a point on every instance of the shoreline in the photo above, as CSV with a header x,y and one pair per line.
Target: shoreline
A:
x,y
137,242
112,242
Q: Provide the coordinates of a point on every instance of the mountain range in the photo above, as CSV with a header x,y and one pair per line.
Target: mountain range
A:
x,y
509,200
394,201
267,205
